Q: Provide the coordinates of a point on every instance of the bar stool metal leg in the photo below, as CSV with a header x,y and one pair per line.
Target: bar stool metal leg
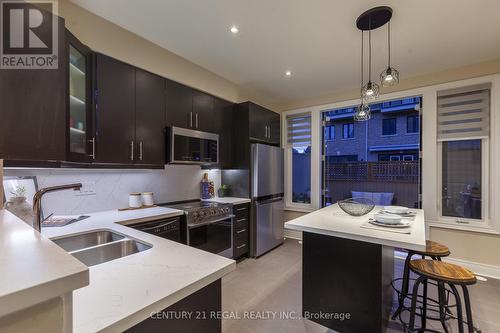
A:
x,y
404,286
411,325
424,306
459,308
468,309
442,302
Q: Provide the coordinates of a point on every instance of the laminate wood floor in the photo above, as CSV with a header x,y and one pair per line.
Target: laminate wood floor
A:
x,y
264,295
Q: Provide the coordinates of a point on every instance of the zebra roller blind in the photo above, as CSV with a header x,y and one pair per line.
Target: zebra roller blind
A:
x,y
464,113
299,130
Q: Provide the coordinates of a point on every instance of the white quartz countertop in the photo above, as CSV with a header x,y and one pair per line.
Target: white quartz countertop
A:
x,y
32,268
125,291
333,221
229,200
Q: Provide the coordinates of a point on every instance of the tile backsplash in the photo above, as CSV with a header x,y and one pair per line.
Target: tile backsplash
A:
x,y
174,183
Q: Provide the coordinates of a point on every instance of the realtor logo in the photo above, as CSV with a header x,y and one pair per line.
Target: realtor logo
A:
x,y
28,32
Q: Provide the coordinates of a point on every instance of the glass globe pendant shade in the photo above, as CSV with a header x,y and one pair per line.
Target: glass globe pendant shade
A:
x,y
389,77
363,113
370,91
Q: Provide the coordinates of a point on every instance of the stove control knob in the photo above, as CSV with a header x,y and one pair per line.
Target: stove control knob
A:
x,y
226,210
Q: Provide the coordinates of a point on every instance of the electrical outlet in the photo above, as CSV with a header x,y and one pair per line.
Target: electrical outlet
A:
x,y
88,188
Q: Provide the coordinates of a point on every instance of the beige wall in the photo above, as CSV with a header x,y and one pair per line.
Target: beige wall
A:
x,y
108,38
455,74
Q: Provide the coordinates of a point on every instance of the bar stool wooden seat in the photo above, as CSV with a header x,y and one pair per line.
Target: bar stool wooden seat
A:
x,y
434,250
442,273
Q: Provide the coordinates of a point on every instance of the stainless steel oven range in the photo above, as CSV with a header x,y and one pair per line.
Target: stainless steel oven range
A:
x,y
209,226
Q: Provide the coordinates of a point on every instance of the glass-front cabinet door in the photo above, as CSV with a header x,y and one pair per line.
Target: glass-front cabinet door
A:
x,y
80,136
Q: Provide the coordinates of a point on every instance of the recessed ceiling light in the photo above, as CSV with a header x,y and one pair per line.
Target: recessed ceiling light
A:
x,y
288,73
234,29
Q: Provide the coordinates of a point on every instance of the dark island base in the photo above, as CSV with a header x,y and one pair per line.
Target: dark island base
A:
x,y
199,309
344,278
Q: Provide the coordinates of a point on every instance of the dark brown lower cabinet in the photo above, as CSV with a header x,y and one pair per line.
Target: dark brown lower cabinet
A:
x,y
241,230
199,312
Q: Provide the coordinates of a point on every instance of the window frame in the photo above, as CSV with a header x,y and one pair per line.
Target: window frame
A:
x,y
288,185
384,120
429,149
485,221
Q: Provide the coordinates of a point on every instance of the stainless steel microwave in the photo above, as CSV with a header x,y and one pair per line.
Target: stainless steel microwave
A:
x,y
185,146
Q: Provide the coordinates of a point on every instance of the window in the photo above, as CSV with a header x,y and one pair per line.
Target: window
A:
x,y
368,166
463,134
412,124
348,131
299,155
389,126
407,157
330,132
461,184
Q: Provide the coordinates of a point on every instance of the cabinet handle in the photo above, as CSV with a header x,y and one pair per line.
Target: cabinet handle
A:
x,y
196,118
241,246
241,220
240,209
140,150
132,150
191,119
242,230
93,148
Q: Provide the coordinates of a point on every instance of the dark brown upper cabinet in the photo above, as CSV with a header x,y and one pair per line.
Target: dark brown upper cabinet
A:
x,y
114,111
179,105
264,124
224,112
33,111
190,108
129,114
203,112
80,132
149,118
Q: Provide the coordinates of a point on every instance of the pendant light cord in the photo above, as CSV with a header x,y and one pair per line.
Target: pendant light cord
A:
x,y
389,41
362,58
369,56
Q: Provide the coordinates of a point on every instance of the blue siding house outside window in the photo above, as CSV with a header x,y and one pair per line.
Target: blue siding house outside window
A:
x,y
389,126
412,124
348,131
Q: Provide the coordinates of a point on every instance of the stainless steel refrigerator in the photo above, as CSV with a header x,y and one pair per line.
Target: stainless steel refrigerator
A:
x,y
267,191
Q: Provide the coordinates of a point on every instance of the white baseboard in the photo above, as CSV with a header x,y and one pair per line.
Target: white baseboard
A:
x,y
486,270
294,234
478,268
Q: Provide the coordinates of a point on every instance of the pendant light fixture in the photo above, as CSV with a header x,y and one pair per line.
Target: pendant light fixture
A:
x,y
363,112
390,76
370,20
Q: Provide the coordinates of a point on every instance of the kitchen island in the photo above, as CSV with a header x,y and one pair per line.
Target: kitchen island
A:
x,y
347,268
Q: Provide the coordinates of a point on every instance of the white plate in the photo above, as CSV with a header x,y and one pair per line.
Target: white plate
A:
x,y
402,224
387,218
396,209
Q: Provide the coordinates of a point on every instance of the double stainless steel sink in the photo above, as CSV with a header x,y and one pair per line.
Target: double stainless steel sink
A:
x,y
100,246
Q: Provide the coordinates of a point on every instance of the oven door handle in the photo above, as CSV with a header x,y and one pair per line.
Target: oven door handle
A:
x,y
157,226
192,226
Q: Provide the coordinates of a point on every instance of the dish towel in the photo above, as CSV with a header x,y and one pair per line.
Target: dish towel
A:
x,y
368,225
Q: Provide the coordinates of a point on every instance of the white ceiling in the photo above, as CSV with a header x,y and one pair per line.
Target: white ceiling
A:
x,y
316,39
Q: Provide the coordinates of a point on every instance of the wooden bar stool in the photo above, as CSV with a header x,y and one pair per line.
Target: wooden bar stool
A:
x,y
433,250
441,273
